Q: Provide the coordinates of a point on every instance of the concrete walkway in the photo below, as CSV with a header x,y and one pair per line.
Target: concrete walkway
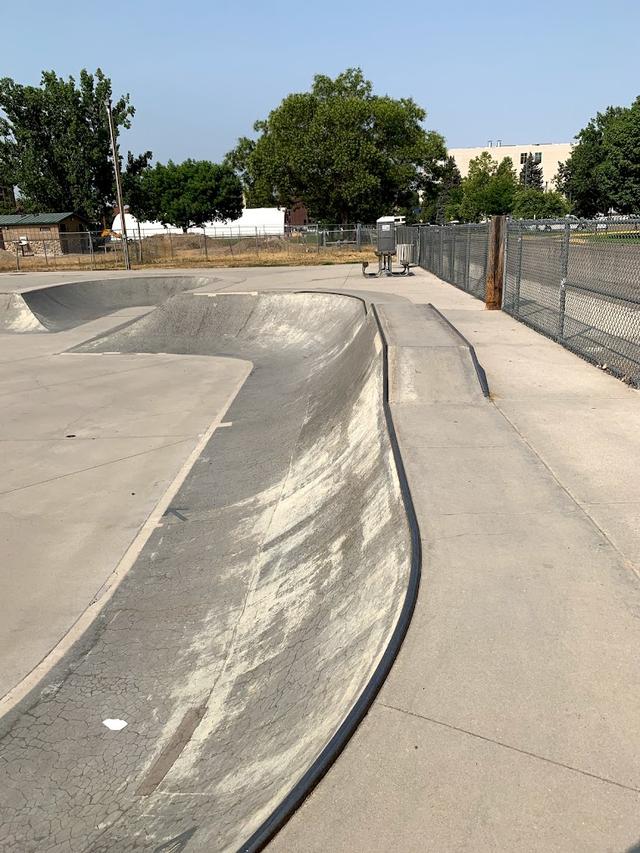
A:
x,y
511,720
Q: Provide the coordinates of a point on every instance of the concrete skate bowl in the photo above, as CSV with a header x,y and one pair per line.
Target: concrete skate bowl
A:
x,y
255,628
60,307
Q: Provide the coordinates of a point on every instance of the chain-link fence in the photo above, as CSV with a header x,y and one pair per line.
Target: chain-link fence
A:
x,y
97,250
455,253
578,282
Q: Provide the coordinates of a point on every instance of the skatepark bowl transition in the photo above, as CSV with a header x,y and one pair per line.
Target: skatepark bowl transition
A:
x,y
213,554
254,618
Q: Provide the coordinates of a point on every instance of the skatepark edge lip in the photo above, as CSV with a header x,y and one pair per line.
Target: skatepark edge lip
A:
x,y
301,790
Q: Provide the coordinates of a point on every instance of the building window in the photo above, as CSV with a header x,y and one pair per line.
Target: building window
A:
x,y
523,158
537,157
45,229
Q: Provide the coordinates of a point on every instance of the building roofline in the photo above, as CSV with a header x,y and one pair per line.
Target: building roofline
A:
x,y
28,219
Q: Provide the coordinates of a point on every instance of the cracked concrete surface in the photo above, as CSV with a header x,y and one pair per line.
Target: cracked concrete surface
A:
x,y
254,615
510,721
113,427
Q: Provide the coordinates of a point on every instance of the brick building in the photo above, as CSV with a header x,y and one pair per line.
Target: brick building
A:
x,y
297,215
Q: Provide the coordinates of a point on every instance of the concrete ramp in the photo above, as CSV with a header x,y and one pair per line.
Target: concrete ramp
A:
x,y
258,614
16,316
64,306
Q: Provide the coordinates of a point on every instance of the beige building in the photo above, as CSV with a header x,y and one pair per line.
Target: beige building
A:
x,y
547,154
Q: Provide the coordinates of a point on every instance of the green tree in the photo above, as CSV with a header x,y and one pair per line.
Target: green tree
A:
x,y
531,174
189,193
54,142
603,170
8,202
531,203
489,189
135,186
441,201
348,154
245,162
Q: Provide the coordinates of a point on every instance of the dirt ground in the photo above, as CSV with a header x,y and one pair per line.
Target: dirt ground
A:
x,y
190,250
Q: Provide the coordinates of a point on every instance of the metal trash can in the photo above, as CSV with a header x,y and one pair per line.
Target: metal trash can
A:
x,y
406,253
386,228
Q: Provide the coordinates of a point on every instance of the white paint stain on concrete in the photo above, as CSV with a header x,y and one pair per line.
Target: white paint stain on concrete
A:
x,y
114,725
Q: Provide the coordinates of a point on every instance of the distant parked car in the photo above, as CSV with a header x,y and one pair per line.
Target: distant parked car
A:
x,y
561,224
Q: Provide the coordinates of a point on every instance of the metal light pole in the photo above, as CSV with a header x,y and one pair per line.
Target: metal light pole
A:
x,y
116,170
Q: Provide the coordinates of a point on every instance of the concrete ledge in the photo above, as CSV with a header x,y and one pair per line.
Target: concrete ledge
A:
x,y
430,361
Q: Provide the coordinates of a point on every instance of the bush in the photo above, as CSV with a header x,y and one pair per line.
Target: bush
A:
x,y
536,204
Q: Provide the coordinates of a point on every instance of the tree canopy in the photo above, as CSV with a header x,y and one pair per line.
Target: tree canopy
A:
x,y
531,203
186,194
346,153
441,201
603,171
489,189
531,174
55,146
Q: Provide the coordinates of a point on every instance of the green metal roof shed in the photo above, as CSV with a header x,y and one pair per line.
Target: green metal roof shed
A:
x,y
27,219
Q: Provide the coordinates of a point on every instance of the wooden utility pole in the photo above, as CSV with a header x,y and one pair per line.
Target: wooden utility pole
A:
x,y
116,170
495,263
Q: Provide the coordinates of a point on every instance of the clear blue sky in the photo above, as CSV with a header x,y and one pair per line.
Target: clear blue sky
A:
x,y
199,74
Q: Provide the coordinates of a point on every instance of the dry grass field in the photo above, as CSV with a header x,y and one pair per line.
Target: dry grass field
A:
x,y
192,250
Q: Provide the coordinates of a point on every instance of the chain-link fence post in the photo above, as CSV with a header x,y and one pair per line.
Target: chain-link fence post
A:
x,y
46,259
17,259
170,246
516,294
441,260
467,257
452,263
564,267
